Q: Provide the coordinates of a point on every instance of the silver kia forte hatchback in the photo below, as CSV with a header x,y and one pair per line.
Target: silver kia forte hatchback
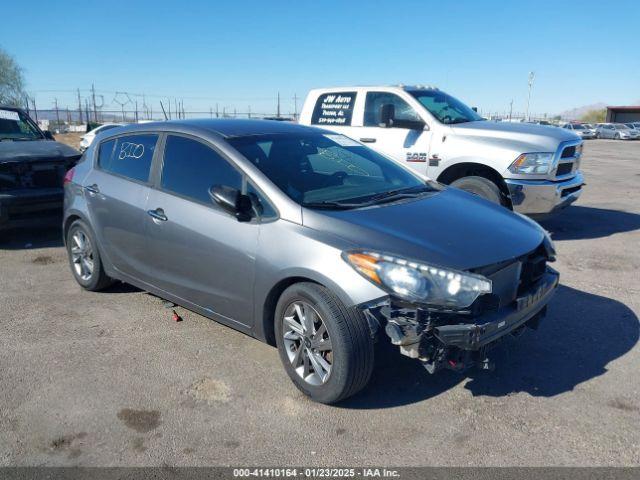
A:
x,y
307,240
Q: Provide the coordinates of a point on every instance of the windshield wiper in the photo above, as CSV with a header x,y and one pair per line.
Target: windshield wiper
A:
x,y
407,192
331,205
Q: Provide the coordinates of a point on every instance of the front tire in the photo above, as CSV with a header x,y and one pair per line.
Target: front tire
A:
x,y
84,258
325,347
483,187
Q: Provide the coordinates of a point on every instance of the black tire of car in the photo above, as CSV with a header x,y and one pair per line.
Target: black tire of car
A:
x,y
483,187
352,344
99,280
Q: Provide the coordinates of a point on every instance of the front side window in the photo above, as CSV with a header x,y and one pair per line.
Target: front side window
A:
x,y
191,168
317,169
445,108
15,125
334,109
375,100
130,156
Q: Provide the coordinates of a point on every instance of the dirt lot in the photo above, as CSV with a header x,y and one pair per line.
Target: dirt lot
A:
x,y
72,138
110,379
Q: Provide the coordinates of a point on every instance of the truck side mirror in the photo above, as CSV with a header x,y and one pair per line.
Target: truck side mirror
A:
x,y
387,115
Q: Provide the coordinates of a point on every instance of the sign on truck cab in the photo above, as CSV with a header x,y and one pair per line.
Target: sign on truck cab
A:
x,y
532,169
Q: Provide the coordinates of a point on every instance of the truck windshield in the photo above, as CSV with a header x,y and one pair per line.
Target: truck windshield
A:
x,y
14,125
445,108
328,170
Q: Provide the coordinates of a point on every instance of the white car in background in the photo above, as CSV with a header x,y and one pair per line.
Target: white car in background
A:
x,y
88,137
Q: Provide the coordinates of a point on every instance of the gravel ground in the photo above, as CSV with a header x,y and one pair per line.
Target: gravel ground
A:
x,y
109,378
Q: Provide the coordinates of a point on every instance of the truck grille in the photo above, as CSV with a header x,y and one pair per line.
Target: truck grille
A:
x,y
564,168
33,174
568,152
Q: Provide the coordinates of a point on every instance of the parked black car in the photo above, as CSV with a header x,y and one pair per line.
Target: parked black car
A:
x,y
32,170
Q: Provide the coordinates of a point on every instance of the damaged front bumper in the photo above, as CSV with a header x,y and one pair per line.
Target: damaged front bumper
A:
x,y
455,340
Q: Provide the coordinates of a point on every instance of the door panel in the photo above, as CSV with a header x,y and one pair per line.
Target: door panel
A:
x,y
202,255
116,206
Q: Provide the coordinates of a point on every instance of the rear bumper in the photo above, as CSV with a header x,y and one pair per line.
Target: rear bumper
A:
x,y
544,197
26,208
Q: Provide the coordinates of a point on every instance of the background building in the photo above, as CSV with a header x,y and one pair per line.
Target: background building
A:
x,y
623,114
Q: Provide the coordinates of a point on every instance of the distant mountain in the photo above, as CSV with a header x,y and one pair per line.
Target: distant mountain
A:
x,y
576,113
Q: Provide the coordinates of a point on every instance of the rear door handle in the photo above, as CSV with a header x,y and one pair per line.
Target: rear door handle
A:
x,y
368,140
92,189
158,214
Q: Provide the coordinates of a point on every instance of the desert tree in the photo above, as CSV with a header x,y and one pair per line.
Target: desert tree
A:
x,y
11,81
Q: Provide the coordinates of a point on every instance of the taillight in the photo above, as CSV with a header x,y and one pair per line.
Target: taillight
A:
x,y
68,177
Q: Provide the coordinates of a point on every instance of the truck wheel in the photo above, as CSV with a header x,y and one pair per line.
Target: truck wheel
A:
x,y
480,186
325,347
84,258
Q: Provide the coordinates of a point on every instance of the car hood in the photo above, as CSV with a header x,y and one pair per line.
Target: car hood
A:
x,y
522,137
36,150
450,228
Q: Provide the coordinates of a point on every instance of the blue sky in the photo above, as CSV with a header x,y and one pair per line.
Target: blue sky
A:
x,y
242,53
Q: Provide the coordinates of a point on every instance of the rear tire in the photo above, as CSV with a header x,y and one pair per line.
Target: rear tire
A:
x,y
480,186
333,325
84,258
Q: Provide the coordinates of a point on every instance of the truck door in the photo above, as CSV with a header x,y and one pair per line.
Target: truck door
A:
x,y
405,145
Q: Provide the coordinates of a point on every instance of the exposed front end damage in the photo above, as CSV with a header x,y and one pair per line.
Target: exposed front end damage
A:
x,y
458,340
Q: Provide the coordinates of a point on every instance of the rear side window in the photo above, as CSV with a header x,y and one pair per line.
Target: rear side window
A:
x,y
191,168
375,100
334,109
129,156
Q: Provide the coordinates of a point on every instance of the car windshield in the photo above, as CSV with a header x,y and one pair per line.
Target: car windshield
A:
x,y
620,126
328,170
630,125
577,126
14,125
445,108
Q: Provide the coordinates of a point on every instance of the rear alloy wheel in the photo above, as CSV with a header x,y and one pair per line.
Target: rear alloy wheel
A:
x,y
84,258
483,187
325,347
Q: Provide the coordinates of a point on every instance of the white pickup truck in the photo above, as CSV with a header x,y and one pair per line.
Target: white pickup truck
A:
x,y
532,169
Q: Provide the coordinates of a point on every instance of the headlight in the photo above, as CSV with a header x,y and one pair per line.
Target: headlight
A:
x,y
420,282
532,163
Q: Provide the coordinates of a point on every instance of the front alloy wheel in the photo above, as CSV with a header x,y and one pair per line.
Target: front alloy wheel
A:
x,y
307,343
326,347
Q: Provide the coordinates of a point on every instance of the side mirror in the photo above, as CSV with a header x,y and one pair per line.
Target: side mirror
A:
x,y
387,115
48,135
232,201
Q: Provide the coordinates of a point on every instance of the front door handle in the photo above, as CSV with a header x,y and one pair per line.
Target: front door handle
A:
x,y
368,140
158,214
92,189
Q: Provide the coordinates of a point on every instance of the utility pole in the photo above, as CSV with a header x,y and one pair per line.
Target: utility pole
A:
x,y
249,111
210,112
163,111
278,108
86,109
95,110
532,75
136,111
35,109
510,109
79,106
26,101
295,106
217,111
55,102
